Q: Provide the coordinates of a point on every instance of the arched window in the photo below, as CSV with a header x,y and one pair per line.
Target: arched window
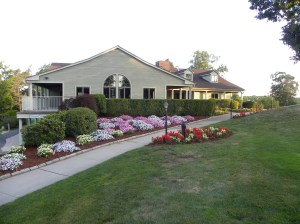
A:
x,y
111,89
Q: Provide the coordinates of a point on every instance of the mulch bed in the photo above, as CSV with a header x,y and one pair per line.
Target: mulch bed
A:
x,y
34,160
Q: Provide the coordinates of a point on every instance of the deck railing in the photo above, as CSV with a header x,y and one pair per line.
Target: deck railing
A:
x,y
41,103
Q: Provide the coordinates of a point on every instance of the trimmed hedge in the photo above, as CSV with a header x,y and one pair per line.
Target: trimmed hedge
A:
x,y
146,107
48,130
101,104
79,121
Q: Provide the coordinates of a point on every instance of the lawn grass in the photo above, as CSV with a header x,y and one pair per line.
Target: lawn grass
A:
x,y
251,177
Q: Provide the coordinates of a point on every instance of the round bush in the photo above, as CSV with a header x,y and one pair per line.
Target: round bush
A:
x,y
80,121
249,104
48,131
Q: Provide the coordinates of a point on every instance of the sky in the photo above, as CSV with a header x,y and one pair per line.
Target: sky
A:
x,y
34,33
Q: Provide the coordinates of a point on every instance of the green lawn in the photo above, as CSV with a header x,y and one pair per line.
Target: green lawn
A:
x,y
251,177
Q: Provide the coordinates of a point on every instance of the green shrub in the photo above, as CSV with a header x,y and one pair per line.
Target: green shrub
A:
x,y
235,104
47,131
224,103
101,104
80,121
11,113
249,104
134,107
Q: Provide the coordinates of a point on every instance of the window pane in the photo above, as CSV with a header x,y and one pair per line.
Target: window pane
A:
x,y
152,93
112,92
110,81
106,93
123,81
146,93
86,90
121,93
127,93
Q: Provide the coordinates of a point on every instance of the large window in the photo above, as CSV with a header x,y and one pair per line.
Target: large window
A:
x,y
149,93
82,90
117,85
215,95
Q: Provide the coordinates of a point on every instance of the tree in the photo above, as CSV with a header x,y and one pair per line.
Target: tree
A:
x,y
12,86
282,10
43,69
284,88
204,60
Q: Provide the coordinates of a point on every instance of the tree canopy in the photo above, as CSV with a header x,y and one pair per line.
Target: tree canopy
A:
x,y
282,10
284,88
12,87
43,69
204,60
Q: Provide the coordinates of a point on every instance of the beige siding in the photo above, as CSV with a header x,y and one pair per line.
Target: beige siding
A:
x,y
93,73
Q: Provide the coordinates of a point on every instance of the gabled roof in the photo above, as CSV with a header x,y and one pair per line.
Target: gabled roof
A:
x,y
222,83
35,77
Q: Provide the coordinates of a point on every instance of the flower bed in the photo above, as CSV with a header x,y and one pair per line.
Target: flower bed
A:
x,y
192,135
32,158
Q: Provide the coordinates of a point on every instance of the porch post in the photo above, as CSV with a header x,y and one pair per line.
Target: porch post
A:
x,y
180,93
206,95
190,94
20,134
30,90
172,96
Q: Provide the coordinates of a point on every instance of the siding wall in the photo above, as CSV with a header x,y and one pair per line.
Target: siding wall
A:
x,y
94,72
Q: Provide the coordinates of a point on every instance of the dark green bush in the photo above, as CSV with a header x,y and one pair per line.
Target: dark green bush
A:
x,y
79,121
48,130
101,104
67,104
86,100
249,104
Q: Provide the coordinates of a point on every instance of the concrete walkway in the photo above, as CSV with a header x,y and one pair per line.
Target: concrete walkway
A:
x,y
8,139
38,177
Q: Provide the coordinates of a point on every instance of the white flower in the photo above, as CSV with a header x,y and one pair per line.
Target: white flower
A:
x,y
44,150
65,146
101,135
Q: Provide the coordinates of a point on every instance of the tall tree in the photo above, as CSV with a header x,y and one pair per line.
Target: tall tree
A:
x,y
12,86
204,60
284,88
282,10
43,69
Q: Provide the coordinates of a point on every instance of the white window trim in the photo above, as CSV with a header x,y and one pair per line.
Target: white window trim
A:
x,y
82,87
149,88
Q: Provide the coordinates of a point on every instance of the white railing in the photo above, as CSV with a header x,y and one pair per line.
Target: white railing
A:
x,y
41,103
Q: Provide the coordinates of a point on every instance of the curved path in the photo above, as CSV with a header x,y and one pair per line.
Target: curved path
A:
x,y
8,139
29,180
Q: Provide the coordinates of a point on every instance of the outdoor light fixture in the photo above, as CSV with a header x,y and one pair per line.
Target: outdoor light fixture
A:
x,y
230,107
166,116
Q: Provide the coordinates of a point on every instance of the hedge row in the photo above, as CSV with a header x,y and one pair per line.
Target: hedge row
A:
x,y
142,107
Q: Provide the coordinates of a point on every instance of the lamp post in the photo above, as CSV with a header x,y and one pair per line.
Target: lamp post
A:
x,y
166,116
230,107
